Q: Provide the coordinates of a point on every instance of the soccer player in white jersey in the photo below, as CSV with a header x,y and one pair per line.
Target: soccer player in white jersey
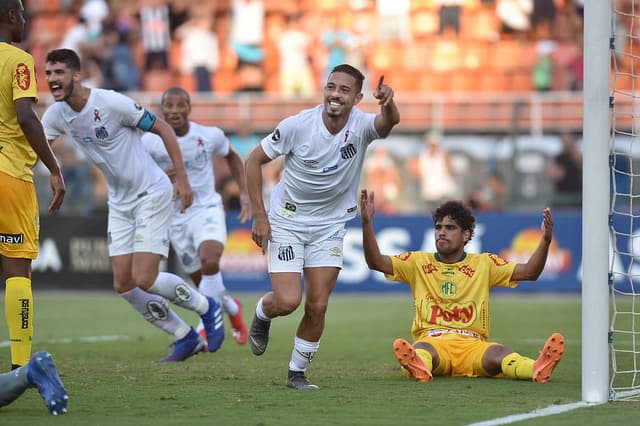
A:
x,y
199,235
323,151
107,126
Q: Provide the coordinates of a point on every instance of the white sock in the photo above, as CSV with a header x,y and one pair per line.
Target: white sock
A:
x,y
302,354
213,286
174,288
259,312
156,311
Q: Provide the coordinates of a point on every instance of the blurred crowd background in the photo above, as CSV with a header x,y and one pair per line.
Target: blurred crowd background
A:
x,y
239,52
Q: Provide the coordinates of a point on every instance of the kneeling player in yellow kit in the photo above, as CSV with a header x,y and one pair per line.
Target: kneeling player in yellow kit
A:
x,y
451,292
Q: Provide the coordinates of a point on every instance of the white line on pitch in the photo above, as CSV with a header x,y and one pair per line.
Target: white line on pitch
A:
x,y
66,340
542,412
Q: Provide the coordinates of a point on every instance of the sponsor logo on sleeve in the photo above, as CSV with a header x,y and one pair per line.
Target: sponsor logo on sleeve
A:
x,y
23,76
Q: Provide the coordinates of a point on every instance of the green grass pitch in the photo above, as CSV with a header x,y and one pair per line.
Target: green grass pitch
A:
x,y
108,359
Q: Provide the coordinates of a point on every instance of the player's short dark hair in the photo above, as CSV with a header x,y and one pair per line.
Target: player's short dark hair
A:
x,y
176,91
353,72
7,5
459,213
65,56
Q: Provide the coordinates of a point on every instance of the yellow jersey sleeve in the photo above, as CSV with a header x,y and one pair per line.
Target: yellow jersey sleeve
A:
x,y
17,80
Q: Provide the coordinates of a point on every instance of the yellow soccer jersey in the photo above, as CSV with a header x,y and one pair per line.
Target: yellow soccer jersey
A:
x,y
452,295
17,80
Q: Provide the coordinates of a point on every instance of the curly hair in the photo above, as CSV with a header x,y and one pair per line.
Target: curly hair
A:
x,y
459,213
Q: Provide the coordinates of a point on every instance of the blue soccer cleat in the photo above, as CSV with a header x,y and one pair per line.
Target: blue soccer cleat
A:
x,y
213,322
189,345
42,374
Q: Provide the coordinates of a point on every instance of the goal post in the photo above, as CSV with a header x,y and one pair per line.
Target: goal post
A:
x,y
596,201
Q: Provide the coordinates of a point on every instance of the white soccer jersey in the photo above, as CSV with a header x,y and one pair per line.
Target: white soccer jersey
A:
x,y
105,130
322,171
197,146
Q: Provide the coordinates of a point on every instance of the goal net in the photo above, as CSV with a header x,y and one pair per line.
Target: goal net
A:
x,y
624,219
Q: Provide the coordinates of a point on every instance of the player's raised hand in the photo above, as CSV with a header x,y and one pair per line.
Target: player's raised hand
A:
x,y
547,224
383,93
367,205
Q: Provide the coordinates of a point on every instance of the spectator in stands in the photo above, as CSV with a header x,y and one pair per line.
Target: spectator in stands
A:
x,y
247,30
394,21
489,195
296,72
94,12
515,16
451,292
382,177
542,17
244,139
337,41
77,36
199,48
449,13
155,32
566,173
77,176
543,67
361,40
432,170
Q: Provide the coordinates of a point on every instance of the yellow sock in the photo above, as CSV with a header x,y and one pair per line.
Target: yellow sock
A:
x,y
19,314
426,357
516,366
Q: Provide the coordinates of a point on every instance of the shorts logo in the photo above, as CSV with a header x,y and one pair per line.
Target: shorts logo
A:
x,y
352,209
335,251
348,151
12,238
183,292
285,253
156,311
23,76
24,313
290,207
101,133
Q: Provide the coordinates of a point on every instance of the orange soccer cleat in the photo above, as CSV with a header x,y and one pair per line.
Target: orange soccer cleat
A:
x,y
550,355
410,361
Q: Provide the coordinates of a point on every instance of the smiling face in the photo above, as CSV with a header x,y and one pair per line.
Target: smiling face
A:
x,y
450,238
62,80
340,95
175,109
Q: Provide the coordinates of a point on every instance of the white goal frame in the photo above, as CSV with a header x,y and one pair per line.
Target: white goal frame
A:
x,y
595,201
